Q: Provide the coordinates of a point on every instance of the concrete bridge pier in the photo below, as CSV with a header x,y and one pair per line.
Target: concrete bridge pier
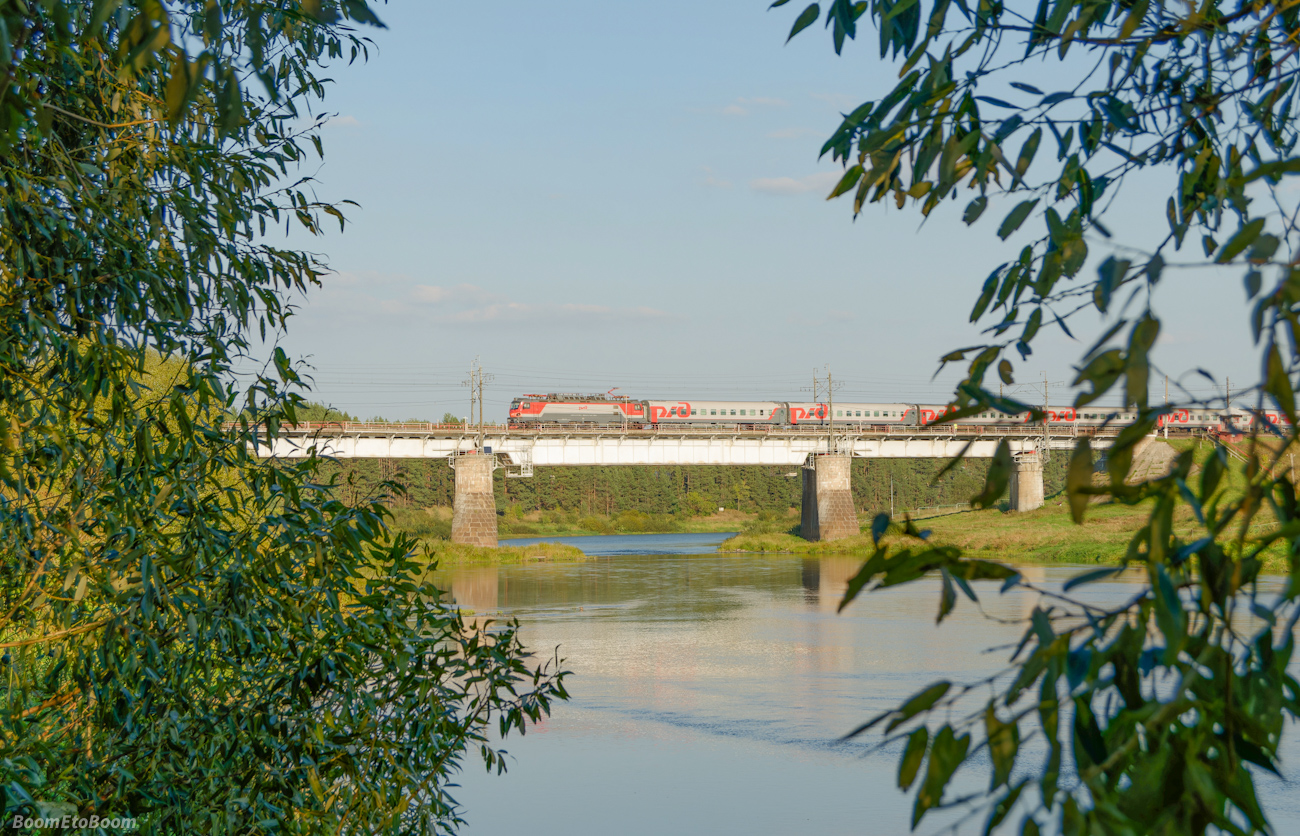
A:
x,y
828,512
474,509
1026,482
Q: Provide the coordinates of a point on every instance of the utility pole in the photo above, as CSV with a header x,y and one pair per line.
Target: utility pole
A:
x,y
475,384
830,387
830,411
1047,437
472,383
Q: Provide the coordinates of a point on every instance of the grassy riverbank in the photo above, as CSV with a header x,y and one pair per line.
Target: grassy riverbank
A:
x,y
435,523
446,553
1045,535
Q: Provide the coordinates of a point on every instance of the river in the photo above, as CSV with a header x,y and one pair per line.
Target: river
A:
x,y
710,691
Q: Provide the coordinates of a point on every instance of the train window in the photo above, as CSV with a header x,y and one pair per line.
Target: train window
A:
x,y
762,412
877,413
713,412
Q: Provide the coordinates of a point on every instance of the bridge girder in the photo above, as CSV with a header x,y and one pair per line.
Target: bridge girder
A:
x,y
526,450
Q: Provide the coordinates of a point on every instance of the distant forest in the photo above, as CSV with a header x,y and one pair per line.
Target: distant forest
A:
x,y
690,490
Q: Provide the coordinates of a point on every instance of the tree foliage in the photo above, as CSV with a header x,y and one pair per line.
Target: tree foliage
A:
x,y
1203,95
194,637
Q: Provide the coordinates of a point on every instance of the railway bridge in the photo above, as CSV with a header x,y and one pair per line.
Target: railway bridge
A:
x,y
824,455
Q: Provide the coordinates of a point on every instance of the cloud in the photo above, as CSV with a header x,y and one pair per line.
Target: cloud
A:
x,y
713,181
734,110
567,312
395,296
822,181
461,293
344,122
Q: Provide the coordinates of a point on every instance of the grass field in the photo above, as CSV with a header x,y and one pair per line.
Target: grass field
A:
x,y
447,553
1045,535
435,523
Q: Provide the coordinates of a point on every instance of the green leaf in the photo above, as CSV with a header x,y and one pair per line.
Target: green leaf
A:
x,y
1032,326
360,11
1027,152
1015,218
805,19
1110,275
1133,19
999,476
879,526
1090,746
974,209
178,88
947,595
1238,243
1277,383
870,568
847,182
1120,455
1078,480
1155,267
1264,248
922,701
1004,805
946,754
1003,743
913,755
1102,372
986,296
1091,576
1004,372
1137,367
1274,170
1171,619
100,13
1216,464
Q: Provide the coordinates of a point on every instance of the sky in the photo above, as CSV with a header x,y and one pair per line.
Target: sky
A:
x,y
587,195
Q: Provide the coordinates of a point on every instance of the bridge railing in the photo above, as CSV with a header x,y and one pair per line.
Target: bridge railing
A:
x,y
840,430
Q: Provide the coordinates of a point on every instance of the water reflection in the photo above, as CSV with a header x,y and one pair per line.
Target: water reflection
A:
x,y
710,691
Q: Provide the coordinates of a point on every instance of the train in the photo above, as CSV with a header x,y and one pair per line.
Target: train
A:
x,y
607,409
